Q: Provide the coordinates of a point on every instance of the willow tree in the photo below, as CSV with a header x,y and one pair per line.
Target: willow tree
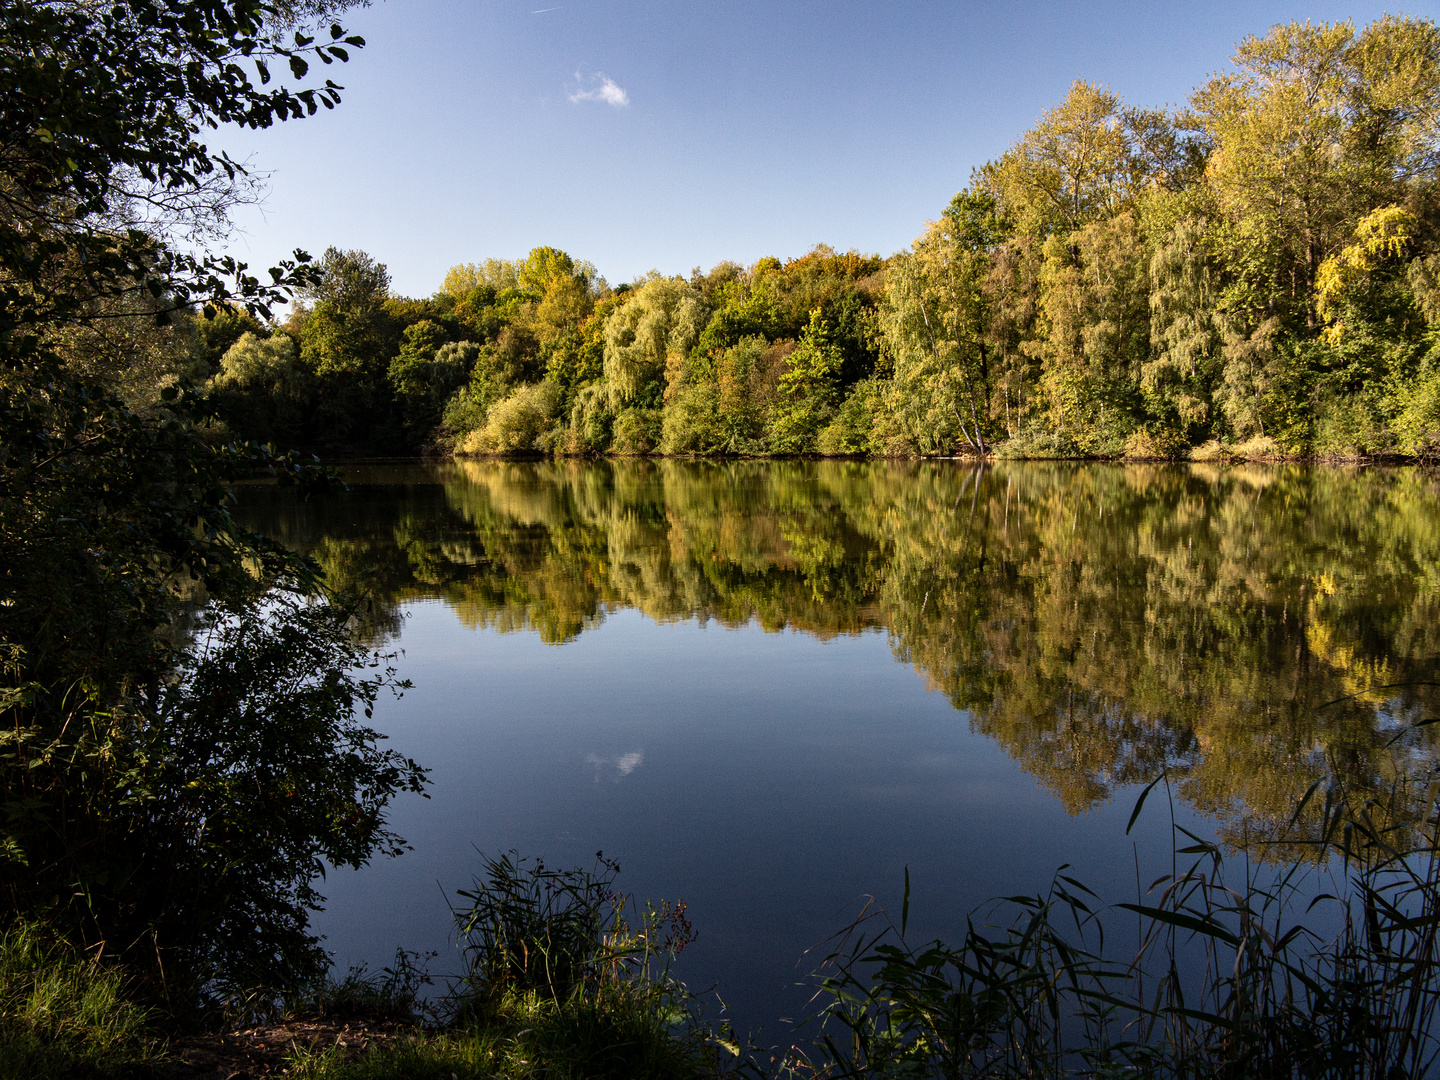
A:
x,y
648,339
1178,376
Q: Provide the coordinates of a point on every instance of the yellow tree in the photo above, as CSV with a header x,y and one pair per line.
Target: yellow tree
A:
x,y
1314,128
1085,159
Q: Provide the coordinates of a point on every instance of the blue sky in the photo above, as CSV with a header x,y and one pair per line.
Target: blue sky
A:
x,y
477,128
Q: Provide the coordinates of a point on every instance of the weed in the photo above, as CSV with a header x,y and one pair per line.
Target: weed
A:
x,y
65,1014
394,993
1223,985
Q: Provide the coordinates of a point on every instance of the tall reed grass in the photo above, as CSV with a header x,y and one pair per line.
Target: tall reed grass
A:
x,y
563,976
1227,981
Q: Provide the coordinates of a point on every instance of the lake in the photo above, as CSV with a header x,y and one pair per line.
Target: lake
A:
x,y
768,688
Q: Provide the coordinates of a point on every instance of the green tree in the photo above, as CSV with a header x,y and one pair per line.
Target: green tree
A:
x,y
115,525
1094,314
936,321
807,392
347,342
648,339
427,370
263,390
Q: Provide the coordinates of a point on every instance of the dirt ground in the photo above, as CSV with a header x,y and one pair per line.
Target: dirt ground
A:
x,y
261,1051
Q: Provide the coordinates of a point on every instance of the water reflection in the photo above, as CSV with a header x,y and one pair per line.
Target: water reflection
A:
x,y
1250,629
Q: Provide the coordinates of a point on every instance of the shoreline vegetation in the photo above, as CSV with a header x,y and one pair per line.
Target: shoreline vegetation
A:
x,y
184,703
563,975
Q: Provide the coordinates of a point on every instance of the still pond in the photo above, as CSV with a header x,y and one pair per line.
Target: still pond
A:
x,y
768,688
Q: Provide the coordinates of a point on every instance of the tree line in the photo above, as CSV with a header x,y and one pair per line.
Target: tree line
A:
x,y
1255,273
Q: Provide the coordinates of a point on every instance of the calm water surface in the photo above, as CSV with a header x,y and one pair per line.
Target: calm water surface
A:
x,y
767,688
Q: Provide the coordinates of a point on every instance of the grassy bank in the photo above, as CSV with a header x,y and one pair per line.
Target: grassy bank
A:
x,y
563,976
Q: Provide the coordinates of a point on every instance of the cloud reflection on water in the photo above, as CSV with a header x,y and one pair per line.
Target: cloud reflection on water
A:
x,y
616,767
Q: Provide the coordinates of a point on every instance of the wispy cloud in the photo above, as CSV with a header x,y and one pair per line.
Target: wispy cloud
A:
x,y
602,88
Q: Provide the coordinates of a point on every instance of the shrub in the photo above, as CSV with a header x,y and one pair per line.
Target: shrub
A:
x,y
557,983
514,424
1162,443
1213,450
637,432
1348,427
1417,410
1257,448
1035,444
464,412
190,830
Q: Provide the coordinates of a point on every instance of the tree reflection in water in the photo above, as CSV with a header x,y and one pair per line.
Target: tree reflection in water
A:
x,y
1252,629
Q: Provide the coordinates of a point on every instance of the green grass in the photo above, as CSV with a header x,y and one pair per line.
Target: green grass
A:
x,y
614,1033
64,1014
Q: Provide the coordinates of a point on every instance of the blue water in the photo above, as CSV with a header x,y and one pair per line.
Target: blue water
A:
x,y
771,780
976,671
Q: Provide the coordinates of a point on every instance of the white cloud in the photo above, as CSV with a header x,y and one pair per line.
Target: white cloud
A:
x,y
603,89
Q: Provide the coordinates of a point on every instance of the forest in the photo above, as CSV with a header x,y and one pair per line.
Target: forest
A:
x,y
1253,274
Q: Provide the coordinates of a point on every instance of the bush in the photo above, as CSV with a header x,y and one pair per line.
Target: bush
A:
x,y
1416,405
391,994
1348,427
464,412
1035,444
514,424
1211,451
1257,448
637,432
191,830
1159,443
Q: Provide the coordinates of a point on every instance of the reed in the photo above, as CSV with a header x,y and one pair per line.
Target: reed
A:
x,y
559,980
1227,981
